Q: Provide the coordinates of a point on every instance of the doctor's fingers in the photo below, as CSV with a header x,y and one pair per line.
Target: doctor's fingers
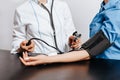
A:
x,y
76,46
32,45
31,49
71,39
78,40
23,43
24,48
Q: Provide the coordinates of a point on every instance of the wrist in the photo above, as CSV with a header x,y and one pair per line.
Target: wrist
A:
x,y
50,59
19,50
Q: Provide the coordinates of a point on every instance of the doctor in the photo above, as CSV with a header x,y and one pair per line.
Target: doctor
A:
x,y
49,20
105,24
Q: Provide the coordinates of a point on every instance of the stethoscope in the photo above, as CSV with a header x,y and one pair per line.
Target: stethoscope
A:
x,y
51,21
52,25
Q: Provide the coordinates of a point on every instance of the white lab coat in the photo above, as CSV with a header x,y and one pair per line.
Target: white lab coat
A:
x,y
32,21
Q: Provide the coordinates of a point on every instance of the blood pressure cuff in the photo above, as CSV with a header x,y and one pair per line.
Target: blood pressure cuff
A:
x,y
97,44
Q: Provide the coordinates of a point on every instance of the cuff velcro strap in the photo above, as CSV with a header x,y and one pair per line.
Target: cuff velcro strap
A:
x,y
97,44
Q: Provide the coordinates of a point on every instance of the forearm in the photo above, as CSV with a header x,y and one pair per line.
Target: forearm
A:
x,y
69,57
43,59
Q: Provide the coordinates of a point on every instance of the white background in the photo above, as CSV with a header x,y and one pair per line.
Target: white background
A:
x,y
82,11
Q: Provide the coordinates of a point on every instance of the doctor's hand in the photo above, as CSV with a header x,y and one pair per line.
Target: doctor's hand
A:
x,y
33,61
29,48
74,44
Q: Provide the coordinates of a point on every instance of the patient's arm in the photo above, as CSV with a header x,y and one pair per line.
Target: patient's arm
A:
x,y
70,57
43,59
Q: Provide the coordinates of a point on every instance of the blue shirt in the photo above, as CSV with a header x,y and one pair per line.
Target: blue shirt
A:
x,y
108,20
